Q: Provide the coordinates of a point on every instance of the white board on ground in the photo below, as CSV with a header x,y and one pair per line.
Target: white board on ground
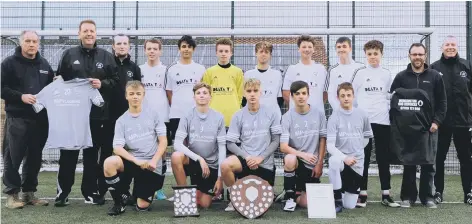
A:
x,y
320,200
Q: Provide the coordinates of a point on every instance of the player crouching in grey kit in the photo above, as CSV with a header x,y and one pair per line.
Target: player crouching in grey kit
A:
x,y
349,131
258,128
303,141
139,145
204,130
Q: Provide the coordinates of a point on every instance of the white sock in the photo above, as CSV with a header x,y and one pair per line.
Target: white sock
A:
x,y
386,192
363,193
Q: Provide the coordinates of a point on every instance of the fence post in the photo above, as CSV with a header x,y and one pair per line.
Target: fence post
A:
x,y
469,30
353,45
43,14
427,23
136,41
232,27
114,16
327,37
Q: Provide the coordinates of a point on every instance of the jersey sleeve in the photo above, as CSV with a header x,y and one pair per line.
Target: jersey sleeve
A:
x,y
159,126
96,97
207,77
288,78
182,130
221,136
276,127
119,139
280,83
323,126
367,127
332,132
285,137
169,82
234,131
42,99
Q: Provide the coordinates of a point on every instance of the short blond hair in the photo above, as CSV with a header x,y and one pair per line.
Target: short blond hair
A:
x,y
134,84
201,85
252,83
264,45
224,41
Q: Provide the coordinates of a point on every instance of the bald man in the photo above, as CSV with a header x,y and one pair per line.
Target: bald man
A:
x,y
457,76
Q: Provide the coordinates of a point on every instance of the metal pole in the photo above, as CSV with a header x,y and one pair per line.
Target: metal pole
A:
x,y
136,41
353,26
43,14
327,26
469,30
232,27
114,16
427,23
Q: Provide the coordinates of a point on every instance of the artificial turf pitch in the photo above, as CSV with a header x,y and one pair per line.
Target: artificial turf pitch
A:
x,y
162,211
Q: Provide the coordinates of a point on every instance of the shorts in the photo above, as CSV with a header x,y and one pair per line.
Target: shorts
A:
x,y
351,180
265,174
145,182
194,171
303,175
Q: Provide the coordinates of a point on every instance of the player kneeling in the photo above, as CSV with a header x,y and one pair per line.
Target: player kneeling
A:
x,y
204,130
258,128
304,141
137,153
349,131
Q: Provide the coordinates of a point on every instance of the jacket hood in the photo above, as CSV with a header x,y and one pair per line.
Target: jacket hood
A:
x,y
35,60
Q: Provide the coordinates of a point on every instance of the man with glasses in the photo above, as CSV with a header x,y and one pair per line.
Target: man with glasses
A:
x,y
431,101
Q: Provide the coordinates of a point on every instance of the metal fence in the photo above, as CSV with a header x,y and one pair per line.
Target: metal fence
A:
x,y
449,18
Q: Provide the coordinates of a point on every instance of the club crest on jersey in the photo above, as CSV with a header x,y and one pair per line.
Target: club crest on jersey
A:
x,y
298,74
130,74
463,74
177,74
315,73
67,91
340,76
420,103
368,80
99,65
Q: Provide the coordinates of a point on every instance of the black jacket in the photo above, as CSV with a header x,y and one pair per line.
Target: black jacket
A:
x,y
80,62
457,76
127,71
411,116
431,82
21,75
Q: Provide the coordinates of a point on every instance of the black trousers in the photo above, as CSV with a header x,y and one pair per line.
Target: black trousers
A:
x,y
382,144
92,170
104,147
172,126
23,139
409,190
462,138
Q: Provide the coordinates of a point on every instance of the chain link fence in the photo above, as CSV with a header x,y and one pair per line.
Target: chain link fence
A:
x,y
449,18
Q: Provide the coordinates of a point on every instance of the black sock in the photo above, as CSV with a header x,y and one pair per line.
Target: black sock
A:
x,y
289,184
337,194
114,186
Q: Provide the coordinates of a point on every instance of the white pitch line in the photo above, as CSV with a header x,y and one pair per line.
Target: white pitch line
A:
x,y
110,199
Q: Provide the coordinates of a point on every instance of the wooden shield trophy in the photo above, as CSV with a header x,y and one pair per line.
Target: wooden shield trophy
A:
x,y
185,201
252,196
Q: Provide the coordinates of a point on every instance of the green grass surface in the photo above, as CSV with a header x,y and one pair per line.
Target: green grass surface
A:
x,y
162,211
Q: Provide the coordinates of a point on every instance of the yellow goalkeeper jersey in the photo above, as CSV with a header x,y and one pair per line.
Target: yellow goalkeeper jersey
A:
x,y
227,89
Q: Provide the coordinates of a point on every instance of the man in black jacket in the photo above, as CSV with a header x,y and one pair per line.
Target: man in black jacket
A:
x,y
24,74
419,76
457,75
127,71
99,66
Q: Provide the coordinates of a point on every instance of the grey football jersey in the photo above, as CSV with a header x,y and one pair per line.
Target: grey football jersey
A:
x,y
347,131
254,131
139,135
68,104
303,131
204,132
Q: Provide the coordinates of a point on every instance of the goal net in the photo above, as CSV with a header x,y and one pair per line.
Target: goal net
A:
x,y
285,52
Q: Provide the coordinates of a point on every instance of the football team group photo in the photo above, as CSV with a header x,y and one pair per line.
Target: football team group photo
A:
x,y
229,140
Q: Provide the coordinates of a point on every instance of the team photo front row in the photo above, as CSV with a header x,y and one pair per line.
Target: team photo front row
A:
x,y
226,125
